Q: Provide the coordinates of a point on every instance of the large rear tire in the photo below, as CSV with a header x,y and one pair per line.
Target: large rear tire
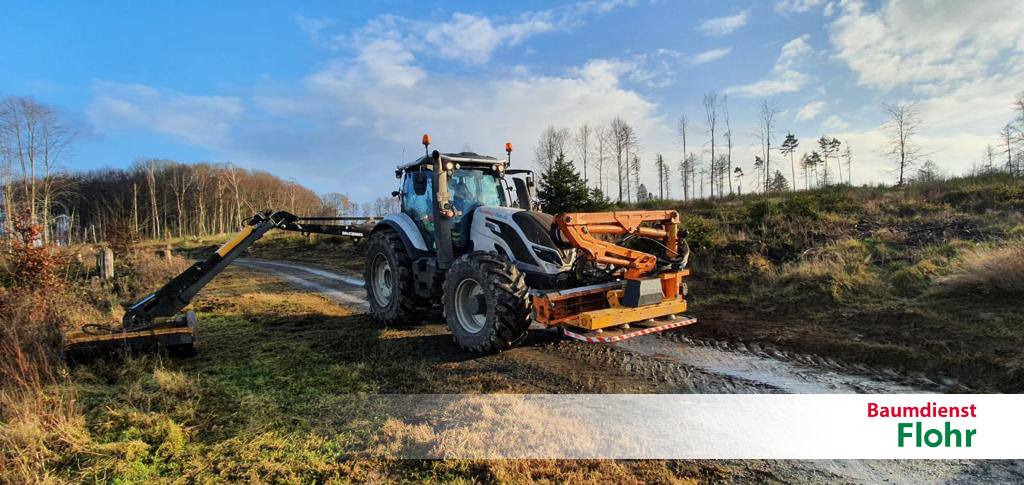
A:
x,y
486,302
388,280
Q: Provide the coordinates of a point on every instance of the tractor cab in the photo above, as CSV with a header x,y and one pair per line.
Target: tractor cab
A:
x,y
472,181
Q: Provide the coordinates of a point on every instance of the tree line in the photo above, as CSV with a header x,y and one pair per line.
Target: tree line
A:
x,y
153,198
609,154
609,157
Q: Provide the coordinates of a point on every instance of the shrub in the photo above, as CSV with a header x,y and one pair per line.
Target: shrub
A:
x,y
37,425
701,233
988,270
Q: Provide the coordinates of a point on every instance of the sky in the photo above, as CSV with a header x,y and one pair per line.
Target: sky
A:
x,y
336,94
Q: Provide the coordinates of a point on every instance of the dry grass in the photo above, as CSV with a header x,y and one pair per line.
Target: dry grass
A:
x,y
839,272
38,419
988,270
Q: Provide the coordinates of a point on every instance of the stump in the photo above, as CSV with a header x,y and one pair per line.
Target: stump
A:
x,y
105,263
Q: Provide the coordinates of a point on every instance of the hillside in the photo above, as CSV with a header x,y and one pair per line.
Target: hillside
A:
x,y
922,279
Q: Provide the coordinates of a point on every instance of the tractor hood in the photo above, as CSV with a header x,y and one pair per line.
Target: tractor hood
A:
x,y
524,236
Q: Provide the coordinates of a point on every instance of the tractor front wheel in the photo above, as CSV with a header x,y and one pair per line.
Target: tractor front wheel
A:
x,y
486,302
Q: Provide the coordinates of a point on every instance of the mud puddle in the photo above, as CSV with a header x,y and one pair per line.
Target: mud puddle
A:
x,y
782,376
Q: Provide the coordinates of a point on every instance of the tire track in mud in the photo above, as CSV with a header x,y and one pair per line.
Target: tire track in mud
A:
x,y
675,363
668,363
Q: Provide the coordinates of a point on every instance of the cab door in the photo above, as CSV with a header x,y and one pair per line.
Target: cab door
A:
x,y
418,203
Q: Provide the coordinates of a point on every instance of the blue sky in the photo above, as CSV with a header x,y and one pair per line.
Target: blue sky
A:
x,y
335,94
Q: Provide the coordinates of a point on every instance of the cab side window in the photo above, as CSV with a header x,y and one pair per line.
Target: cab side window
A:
x,y
419,207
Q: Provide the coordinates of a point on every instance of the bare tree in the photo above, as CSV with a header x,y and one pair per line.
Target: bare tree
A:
x,y
685,167
635,167
728,141
623,139
711,122
151,183
550,144
848,155
1007,135
902,125
604,137
768,113
232,178
34,137
581,142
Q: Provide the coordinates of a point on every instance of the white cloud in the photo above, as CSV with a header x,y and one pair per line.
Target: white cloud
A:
x,y
200,120
787,82
786,78
470,38
810,111
723,25
711,55
473,39
792,54
799,6
834,123
905,42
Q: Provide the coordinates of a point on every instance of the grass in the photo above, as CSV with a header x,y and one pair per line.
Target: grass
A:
x,y
270,398
997,271
921,278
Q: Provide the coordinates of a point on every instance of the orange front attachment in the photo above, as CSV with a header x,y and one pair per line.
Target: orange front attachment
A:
x,y
580,228
581,231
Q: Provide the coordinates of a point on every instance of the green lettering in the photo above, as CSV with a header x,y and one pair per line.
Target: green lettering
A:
x,y
933,433
950,433
904,434
970,433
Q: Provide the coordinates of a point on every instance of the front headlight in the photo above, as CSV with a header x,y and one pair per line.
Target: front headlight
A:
x,y
548,255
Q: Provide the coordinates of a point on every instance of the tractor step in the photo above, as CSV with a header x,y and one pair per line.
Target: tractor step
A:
x,y
624,332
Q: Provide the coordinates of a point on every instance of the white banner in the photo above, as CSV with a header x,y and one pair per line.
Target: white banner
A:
x,y
691,426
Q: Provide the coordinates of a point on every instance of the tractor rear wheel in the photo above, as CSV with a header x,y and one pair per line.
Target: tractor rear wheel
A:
x,y
486,302
388,281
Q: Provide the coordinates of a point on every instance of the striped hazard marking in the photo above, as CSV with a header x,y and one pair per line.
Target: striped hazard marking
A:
x,y
618,334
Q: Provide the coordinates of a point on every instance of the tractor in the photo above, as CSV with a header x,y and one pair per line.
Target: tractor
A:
x,y
468,236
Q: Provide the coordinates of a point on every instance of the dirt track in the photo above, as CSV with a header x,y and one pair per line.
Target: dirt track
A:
x,y
546,363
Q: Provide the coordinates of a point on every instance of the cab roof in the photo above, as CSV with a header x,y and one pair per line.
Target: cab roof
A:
x,y
465,158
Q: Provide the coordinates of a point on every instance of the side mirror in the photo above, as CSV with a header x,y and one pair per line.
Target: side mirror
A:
x,y
394,193
419,183
523,193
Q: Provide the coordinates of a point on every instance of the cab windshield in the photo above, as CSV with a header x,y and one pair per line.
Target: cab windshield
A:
x,y
473,188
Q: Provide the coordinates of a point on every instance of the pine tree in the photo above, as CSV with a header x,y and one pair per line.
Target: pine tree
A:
x,y
778,182
562,189
759,168
789,146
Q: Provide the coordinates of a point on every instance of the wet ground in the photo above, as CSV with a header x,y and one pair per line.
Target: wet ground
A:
x,y
671,363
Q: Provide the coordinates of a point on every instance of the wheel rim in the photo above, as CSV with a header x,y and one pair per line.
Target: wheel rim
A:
x,y
383,280
467,295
